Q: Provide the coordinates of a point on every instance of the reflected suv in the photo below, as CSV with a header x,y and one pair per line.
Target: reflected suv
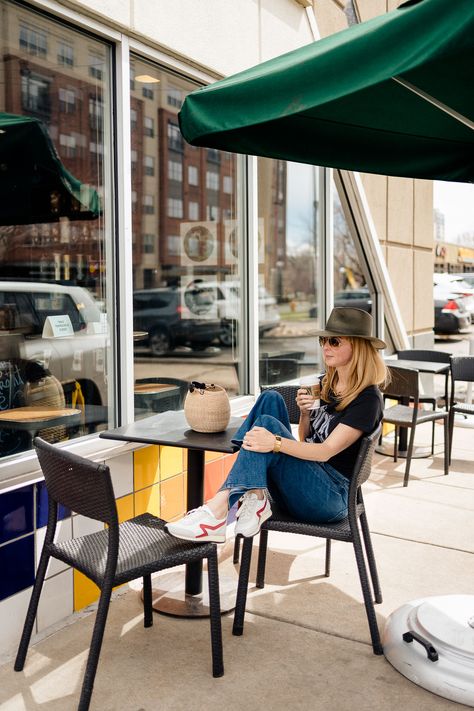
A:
x,y
173,316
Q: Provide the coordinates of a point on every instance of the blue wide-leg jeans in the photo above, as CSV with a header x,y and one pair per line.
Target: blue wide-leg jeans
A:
x,y
310,491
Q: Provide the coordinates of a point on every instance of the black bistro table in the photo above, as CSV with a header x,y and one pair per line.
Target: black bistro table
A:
x,y
172,430
422,366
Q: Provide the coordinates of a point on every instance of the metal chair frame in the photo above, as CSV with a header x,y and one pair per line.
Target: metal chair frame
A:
x,y
113,556
404,387
435,357
462,369
346,530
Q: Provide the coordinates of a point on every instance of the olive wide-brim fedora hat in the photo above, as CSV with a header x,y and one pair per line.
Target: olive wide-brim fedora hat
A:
x,y
349,322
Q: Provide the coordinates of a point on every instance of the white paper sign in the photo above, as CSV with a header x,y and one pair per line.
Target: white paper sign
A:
x,y
58,327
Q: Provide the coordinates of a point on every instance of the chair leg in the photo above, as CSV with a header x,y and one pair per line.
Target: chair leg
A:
x,y
446,446
371,559
262,558
395,446
242,587
31,613
366,592
237,549
451,430
95,647
215,615
432,437
147,602
327,566
409,453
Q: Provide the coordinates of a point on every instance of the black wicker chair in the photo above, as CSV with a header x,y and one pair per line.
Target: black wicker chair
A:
x,y
288,393
346,530
435,357
404,387
462,369
112,556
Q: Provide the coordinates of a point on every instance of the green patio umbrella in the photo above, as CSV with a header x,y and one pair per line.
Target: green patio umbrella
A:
x,y
34,184
393,95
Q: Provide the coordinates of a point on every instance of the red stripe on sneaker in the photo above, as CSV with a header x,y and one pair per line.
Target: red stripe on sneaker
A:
x,y
205,528
260,511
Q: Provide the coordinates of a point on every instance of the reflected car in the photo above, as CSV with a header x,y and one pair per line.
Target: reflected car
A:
x,y
357,298
174,316
227,294
24,310
450,312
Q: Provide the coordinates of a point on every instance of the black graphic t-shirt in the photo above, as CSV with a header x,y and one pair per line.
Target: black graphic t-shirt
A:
x,y
363,413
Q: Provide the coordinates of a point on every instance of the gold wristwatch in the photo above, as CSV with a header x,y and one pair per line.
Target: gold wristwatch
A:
x,y
277,445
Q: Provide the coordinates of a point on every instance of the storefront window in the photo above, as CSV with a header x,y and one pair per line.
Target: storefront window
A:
x,y
289,292
186,297
54,230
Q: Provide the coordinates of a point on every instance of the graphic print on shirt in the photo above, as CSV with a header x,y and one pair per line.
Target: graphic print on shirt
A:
x,y
320,424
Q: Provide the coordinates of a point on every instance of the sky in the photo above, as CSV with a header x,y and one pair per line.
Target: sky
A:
x,y
456,202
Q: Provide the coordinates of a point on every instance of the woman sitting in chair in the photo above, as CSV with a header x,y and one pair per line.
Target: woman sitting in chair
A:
x,y
308,478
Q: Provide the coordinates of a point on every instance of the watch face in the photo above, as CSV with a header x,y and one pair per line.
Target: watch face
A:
x,y
198,243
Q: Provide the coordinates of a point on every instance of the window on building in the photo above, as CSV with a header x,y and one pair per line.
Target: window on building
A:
x,y
147,93
134,159
212,180
35,93
65,54
148,242
148,204
175,207
133,119
175,171
193,210
212,212
173,242
193,175
96,66
96,113
33,41
69,145
67,100
149,165
174,97
175,139
149,126
227,185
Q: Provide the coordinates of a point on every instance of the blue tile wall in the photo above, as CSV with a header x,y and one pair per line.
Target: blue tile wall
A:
x,y
17,563
16,513
42,506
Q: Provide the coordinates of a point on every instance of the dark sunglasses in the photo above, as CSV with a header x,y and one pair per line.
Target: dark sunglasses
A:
x,y
333,341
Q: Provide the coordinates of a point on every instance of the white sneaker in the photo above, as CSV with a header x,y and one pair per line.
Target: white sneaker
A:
x,y
251,514
199,525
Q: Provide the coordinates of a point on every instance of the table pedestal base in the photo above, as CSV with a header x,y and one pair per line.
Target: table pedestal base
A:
x,y
170,598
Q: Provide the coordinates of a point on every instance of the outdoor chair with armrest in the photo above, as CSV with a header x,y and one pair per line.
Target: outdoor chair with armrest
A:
x,y
404,387
114,555
346,530
435,357
462,369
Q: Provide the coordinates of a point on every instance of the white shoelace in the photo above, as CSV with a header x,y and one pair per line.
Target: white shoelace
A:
x,y
248,506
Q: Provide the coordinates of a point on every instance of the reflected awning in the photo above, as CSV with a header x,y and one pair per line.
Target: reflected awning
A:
x,y
339,102
34,184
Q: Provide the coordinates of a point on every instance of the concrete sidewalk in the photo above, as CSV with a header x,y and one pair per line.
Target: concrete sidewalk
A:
x,y
306,644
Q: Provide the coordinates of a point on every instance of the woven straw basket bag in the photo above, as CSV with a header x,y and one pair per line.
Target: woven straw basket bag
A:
x,y
207,407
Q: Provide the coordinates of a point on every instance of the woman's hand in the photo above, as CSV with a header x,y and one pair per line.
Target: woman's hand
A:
x,y
258,439
304,400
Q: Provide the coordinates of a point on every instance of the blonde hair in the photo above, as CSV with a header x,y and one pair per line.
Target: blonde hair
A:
x,y
366,368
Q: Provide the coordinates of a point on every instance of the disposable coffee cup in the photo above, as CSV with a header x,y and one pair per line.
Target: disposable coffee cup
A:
x,y
313,388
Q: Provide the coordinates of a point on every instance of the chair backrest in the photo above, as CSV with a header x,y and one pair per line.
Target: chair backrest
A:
x,y
288,393
462,368
79,484
363,463
427,355
403,384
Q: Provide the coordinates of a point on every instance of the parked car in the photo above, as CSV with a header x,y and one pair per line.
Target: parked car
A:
x,y
24,310
175,316
450,312
227,294
458,286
